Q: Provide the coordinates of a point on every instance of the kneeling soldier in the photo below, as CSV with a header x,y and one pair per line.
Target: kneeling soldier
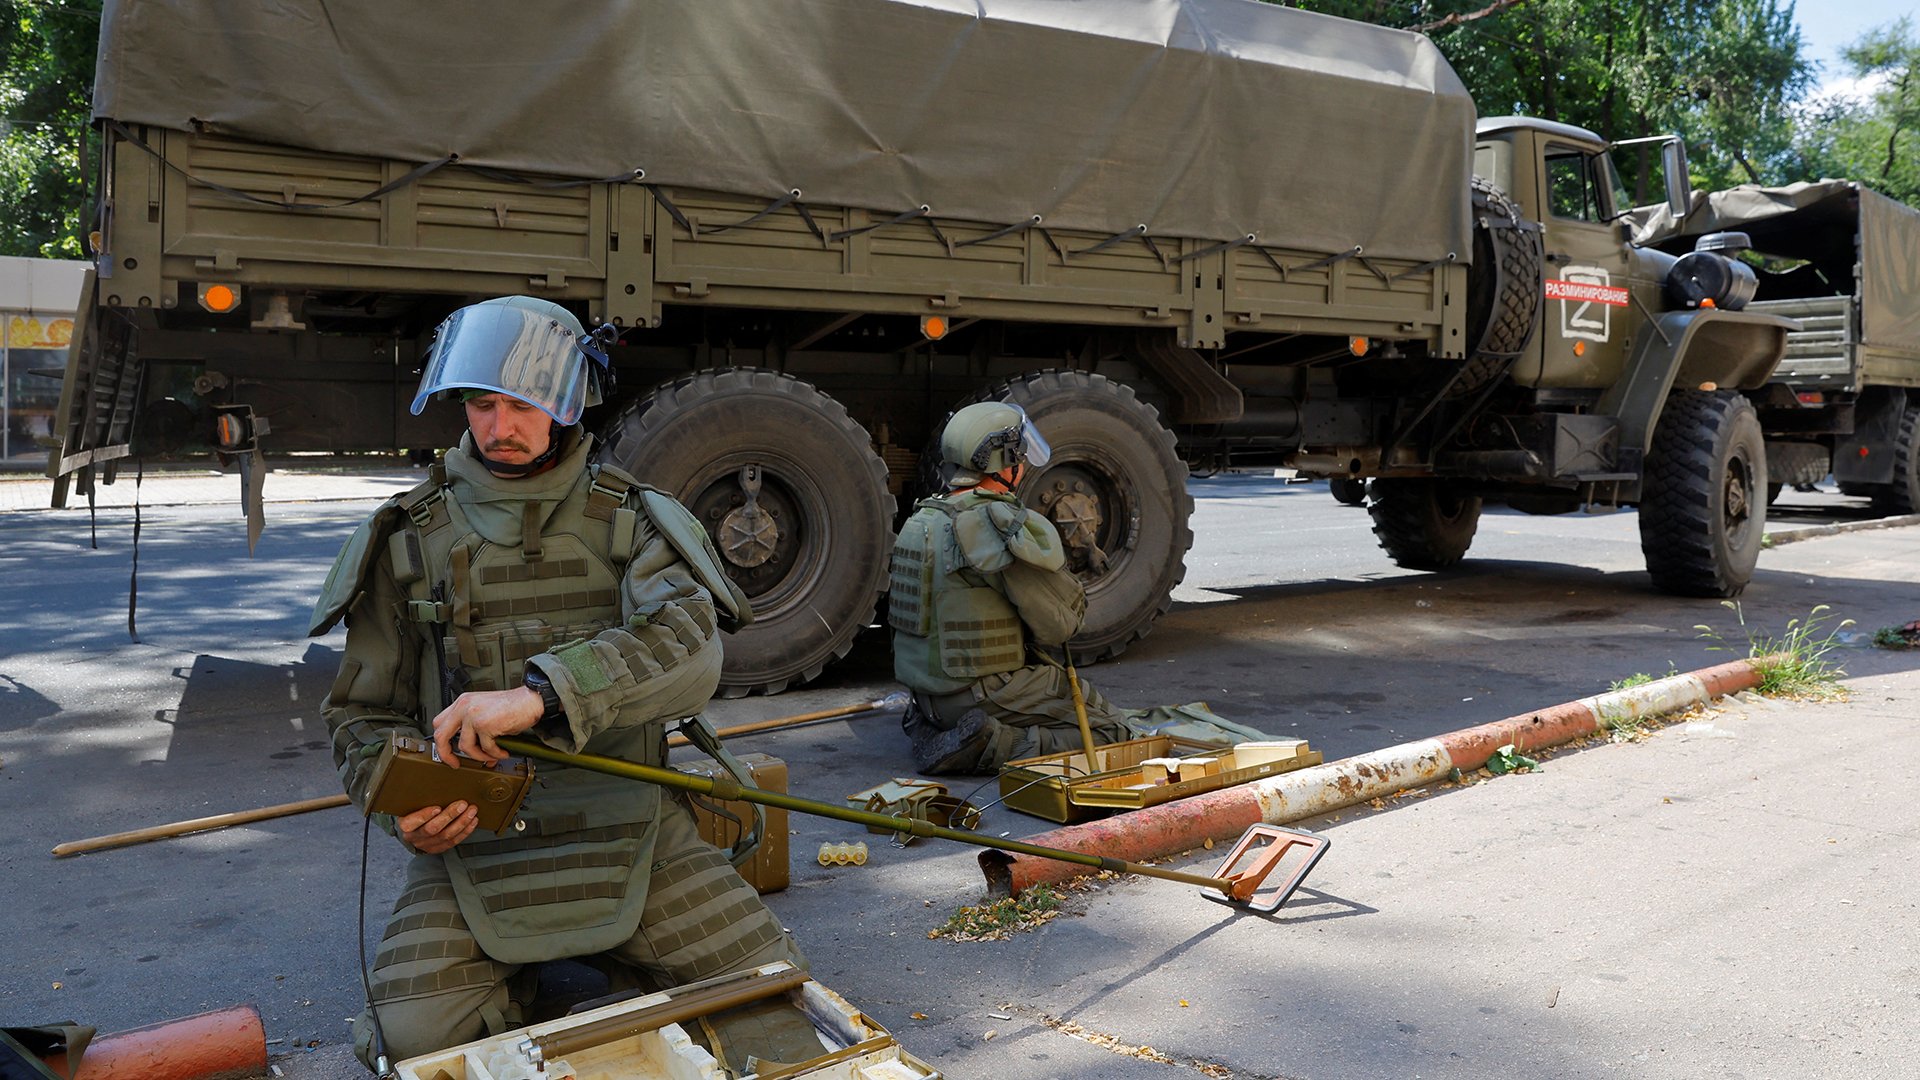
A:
x,y
976,579
522,589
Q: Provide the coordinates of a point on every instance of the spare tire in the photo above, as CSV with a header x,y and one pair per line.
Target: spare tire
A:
x,y
1503,288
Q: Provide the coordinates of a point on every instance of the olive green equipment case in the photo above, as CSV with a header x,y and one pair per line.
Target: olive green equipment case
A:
x,y
721,822
1140,773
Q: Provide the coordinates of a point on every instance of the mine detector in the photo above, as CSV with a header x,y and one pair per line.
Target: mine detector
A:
x,y
1182,235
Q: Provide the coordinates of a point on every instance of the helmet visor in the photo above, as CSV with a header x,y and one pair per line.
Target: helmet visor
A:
x,y
508,350
1033,447
1020,442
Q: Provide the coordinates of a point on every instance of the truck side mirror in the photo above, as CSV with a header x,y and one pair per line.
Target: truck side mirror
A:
x,y
1673,163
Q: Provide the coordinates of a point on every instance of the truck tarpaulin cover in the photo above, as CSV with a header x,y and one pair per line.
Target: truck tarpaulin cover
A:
x,y
1819,221
1200,118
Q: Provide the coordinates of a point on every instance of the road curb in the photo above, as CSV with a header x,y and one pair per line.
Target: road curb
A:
x,y
227,1044
1789,536
1160,831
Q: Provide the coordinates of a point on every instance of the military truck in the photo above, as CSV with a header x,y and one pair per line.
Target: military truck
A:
x,y
1203,232
1840,259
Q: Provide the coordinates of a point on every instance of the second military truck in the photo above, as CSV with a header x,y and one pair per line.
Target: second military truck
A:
x,y
1843,261
1195,233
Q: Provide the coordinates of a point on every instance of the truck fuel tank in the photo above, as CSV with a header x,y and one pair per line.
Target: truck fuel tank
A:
x,y
1710,275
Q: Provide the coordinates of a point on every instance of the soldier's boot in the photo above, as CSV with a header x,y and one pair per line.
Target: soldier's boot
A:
x,y
955,750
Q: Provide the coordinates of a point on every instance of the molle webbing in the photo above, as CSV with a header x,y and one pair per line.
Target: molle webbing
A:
x,y
533,571
700,913
454,948
910,579
979,634
425,920
489,610
556,894
579,860
512,649
601,871
477,973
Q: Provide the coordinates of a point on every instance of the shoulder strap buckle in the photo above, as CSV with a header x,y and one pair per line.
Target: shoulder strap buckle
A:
x,y
429,611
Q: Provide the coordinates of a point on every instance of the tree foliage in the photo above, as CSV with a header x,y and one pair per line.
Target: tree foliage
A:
x,y
1723,74
1874,138
46,146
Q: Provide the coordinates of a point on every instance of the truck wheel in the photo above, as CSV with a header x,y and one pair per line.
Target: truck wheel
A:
x,y
1347,491
1701,509
794,497
1903,495
1117,492
1423,524
1503,307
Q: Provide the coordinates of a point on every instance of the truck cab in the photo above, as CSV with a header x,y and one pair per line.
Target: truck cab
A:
x,y
1564,178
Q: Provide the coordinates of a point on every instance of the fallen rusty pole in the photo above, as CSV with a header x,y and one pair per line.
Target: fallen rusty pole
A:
x,y
227,1044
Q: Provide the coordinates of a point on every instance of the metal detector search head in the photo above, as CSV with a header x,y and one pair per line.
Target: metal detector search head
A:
x,y
1259,853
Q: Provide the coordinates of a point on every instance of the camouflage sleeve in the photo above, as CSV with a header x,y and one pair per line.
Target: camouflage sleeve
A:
x,y
1051,602
661,664
377,688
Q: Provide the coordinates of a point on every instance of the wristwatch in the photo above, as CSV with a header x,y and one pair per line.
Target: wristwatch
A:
x,y
537,681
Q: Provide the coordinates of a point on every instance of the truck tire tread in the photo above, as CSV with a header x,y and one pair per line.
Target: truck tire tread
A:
x,y
1689,548
765,658
1423,524
1902,496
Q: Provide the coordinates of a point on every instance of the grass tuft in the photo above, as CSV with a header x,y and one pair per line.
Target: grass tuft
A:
x,y
1638,678
1793,664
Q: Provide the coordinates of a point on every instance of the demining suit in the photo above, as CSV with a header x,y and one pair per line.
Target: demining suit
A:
x,y
606,597
977,578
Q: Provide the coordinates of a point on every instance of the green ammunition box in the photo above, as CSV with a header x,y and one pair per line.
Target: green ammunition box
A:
x,y
769,870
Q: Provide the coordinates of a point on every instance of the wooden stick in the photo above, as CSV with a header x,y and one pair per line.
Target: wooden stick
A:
x,y
179,828
242,817
678,739
1080,712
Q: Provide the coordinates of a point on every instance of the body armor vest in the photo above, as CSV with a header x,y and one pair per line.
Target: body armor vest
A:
x,y
482,604
953,624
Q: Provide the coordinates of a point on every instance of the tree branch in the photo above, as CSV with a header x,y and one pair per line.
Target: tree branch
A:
x,y
1457,19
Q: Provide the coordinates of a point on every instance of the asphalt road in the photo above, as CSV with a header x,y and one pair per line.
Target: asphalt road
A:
x,y
1726,901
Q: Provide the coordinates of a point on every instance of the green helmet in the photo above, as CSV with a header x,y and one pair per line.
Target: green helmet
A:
x,y
521,346
989,437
